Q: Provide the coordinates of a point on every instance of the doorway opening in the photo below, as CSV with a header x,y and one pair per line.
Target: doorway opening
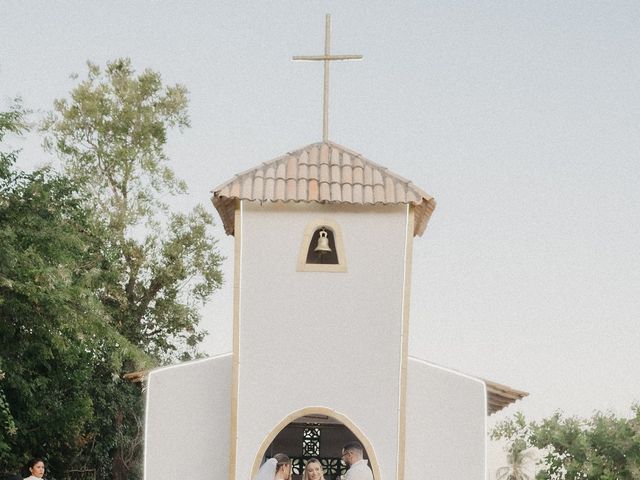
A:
x,y
316,435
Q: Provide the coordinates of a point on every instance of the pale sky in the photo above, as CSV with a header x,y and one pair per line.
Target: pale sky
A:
x,y
522,119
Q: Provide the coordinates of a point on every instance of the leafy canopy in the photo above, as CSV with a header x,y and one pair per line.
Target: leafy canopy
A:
x,y
54,332
111,135
603,447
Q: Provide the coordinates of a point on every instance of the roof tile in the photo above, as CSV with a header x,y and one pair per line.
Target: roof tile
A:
x,y
235,189
324,172
378,193
347,192
335,156
358,174
367,194
357,193
325,194
336,192
324,153
292,167
368,175
292,188
247,187
335,173
270,172
313,155
268,189
302,189
314,190
258,187
389,190
347,174
377,177
279,193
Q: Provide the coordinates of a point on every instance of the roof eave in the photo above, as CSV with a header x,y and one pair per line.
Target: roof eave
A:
x,y
226,209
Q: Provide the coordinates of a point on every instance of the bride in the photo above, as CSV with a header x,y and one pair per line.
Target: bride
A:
x,y
276,468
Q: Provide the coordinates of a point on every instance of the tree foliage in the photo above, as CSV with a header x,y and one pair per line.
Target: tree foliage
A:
x,y
56,339
98,277
602,447
111,135
520,457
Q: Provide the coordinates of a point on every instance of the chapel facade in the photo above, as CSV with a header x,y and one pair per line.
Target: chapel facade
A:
x,y
322,288
320,337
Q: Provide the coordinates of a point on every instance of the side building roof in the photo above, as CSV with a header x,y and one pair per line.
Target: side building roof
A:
x,y
322,172
501,396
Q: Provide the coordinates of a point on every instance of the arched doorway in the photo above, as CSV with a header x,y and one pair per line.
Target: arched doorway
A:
x,y
315,433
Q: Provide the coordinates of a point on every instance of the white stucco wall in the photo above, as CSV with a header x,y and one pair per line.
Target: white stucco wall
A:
x,y
318,338
446,424
187,421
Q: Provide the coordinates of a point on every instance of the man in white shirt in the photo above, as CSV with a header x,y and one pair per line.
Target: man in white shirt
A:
x,y
352,455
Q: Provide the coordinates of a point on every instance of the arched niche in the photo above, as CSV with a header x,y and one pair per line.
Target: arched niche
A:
x,y
335,430
335,262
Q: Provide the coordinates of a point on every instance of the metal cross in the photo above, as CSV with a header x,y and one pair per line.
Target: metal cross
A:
x,y
326,58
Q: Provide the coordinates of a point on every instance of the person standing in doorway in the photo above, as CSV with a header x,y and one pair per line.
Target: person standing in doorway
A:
x,y
353,456
313,470
276,468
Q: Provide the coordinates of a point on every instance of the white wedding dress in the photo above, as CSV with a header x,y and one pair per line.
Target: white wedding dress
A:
x,y
267,470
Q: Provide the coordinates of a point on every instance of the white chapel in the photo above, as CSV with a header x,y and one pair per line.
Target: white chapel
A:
x,y
322,286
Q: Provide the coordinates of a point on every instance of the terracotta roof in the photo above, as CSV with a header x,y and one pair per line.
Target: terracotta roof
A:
x,y
136,377
322,172
501,396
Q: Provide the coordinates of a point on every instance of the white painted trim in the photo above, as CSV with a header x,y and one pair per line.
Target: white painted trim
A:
x,y
449,370
404,345
235,362
187,363
486,454
146,428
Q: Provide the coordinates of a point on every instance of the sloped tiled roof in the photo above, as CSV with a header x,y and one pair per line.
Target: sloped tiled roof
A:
x,y
501,396
322,172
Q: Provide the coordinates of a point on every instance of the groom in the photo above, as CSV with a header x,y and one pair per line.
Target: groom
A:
x,y
352,455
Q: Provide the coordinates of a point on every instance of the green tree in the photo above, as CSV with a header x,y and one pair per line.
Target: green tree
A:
x,y
111,135
56,338
11,121
603,447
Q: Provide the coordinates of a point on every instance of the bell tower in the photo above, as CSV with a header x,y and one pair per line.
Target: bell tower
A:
x,y
311,336
323,241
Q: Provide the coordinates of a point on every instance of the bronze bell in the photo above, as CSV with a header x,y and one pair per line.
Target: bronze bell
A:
x,y
323,243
